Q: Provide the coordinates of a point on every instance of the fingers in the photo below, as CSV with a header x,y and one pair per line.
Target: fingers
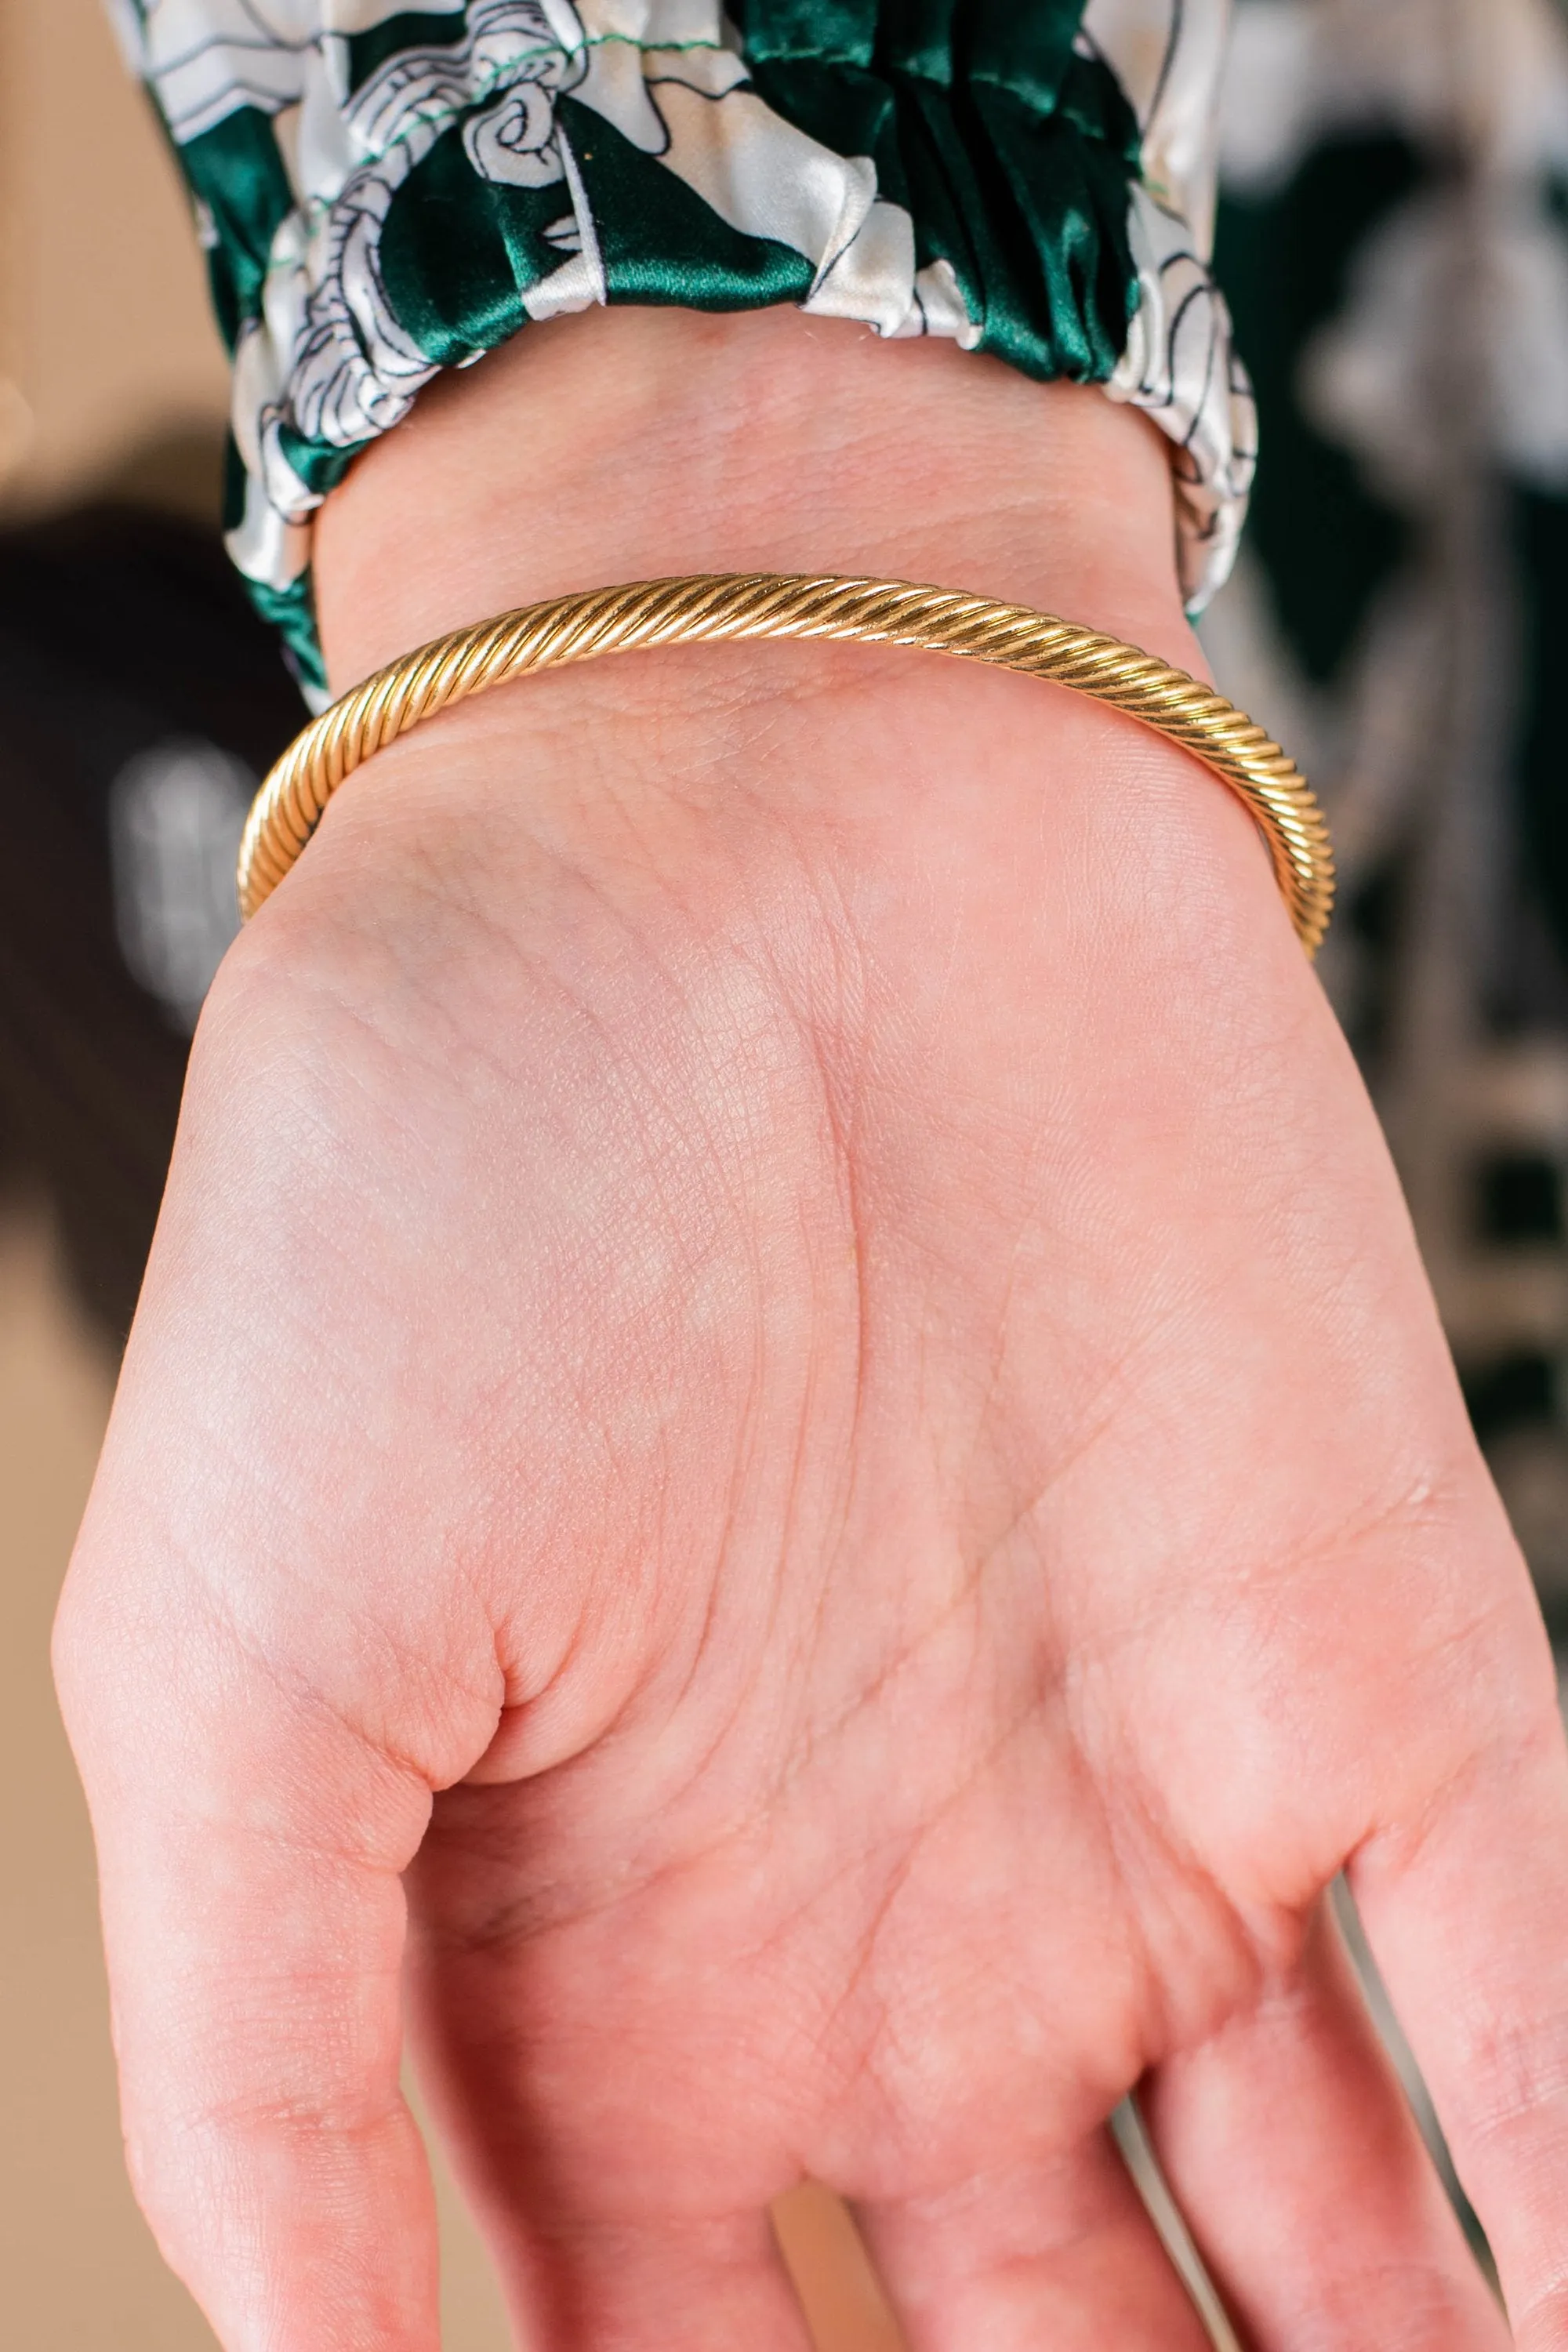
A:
x,y
1468,1922
1058,2251
710,2286
1291,2150
622,2210
250,1849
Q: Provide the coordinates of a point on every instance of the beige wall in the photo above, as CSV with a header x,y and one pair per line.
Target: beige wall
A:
x,y
103,337
104,334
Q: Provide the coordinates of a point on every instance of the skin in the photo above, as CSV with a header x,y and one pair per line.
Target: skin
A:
x,y
787,1473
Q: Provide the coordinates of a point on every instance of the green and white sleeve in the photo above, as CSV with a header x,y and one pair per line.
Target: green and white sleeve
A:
x,y
387,190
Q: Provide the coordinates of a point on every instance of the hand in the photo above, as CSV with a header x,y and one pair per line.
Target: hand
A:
x,y
785,1416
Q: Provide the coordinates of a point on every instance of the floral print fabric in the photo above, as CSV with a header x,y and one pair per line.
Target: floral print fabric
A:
x,y
386,191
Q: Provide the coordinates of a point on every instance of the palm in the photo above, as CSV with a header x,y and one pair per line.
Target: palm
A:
x,y
805,1441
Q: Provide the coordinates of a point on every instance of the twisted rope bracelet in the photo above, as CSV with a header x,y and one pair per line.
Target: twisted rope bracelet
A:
x,y
725,607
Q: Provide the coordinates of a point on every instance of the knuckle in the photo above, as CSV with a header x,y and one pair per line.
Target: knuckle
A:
x,y
1524,2071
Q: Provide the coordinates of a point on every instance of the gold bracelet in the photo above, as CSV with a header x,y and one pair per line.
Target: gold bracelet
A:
x,y
725,606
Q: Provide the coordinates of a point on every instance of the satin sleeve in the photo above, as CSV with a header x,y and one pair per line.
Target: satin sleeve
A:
x,y
384,192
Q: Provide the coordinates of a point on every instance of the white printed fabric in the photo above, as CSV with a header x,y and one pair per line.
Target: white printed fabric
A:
x,y
387,191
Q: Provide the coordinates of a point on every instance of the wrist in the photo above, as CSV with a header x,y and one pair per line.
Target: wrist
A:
x,y
634,443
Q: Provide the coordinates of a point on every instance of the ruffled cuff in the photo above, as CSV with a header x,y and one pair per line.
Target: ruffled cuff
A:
x,y
388,192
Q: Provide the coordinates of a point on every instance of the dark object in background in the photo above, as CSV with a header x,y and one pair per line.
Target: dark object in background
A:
x,y
1393,240
139,697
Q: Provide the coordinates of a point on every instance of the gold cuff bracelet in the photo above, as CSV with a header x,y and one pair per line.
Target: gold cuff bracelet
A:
x,y
726,606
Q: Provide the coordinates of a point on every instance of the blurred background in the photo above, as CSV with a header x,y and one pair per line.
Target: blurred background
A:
x,y
1392,235
1392,232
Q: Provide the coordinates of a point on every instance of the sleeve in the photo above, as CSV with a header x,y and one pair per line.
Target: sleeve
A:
x,y
387,190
